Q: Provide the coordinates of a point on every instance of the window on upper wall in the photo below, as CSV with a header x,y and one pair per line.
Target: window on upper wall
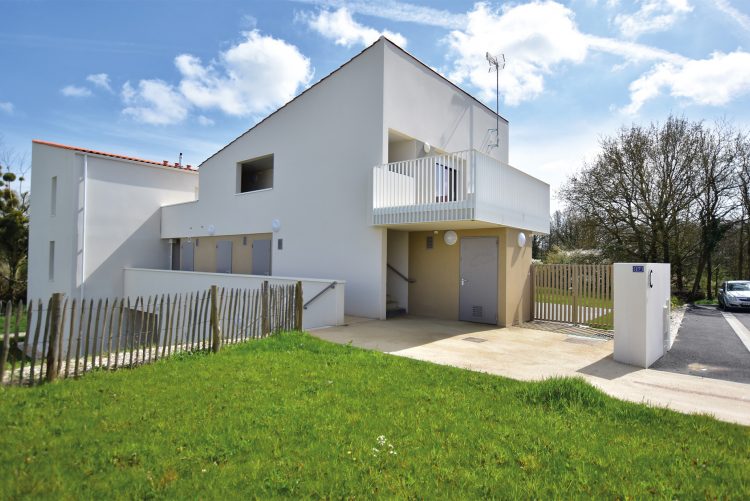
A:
x,y
255,174
51,260
53,197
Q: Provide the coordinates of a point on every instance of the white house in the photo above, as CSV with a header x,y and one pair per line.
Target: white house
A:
x,y
383,174
95,213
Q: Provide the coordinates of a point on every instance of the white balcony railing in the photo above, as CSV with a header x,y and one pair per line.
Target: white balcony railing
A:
x,y
463,186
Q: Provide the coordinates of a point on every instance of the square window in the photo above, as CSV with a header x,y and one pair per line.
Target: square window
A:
x,y
255,175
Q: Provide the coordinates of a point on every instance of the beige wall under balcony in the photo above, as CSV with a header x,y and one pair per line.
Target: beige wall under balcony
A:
x,y
242,254
436,271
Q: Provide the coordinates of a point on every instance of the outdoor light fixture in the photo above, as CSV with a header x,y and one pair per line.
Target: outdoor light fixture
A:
x,y
426,147
450,237
211,229
276,225
521,239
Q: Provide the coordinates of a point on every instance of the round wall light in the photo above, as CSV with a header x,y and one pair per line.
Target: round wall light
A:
x,y
211,229
450,237
521,239
276,225
426,147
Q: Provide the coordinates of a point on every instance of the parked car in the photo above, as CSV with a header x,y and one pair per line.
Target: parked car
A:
x,y
734,294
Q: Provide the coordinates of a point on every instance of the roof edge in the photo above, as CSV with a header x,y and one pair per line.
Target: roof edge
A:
x,y
442,77
384,39
164,163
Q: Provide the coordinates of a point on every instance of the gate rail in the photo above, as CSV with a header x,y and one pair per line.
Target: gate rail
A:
x,y
573,293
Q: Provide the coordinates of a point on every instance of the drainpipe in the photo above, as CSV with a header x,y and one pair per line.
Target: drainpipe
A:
x,y
83,225
471,124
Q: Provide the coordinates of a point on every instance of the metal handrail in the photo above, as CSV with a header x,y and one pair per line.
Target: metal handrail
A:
x,y
394,270
332,285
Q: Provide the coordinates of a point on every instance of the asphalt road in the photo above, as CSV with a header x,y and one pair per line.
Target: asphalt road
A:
x,y
707,346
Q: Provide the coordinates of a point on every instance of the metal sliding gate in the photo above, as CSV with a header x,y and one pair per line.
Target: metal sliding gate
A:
x,y
573,293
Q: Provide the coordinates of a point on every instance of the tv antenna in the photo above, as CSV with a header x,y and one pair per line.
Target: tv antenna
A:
x,y
497,63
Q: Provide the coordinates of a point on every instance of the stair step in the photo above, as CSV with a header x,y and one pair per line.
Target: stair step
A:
x,y
396,312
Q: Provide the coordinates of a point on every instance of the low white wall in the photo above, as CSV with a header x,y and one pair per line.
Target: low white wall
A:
x,y
328,309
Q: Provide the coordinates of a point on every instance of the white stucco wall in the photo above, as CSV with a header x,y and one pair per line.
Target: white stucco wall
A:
x,y
324,144
326,310
117,226
422,105
61,228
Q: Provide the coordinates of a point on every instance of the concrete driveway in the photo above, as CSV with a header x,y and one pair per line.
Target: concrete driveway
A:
x,y
527,354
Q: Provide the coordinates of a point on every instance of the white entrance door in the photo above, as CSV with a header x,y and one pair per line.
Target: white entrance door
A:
x,y
478,286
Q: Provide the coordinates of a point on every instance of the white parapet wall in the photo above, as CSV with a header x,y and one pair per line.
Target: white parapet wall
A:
x,y
641,309
326,310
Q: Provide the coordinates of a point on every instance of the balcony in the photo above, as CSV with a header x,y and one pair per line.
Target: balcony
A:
x,y
467,186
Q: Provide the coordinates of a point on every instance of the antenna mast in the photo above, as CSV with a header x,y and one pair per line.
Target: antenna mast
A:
x,y
497,63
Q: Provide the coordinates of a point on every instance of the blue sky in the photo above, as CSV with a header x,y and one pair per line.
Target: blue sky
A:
x,y
154,78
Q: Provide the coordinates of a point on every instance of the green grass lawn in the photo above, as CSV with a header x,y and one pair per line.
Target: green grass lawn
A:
x,y
707,302
21,324
555,296
295,416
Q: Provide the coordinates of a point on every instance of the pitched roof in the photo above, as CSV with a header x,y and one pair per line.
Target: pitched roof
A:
x,y
385,39
163,163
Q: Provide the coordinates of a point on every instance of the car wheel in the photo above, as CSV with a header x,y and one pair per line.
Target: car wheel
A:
x,y
721,305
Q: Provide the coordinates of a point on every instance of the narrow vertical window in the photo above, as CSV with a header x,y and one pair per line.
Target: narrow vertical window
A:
x,y
53,197
52,260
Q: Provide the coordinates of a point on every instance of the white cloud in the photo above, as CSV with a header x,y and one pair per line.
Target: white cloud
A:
x,y
652,16
256,75
536,36
734,13
6,107
340,26
632,51
154,102
715,81
395,10
75,91
100,80
205,121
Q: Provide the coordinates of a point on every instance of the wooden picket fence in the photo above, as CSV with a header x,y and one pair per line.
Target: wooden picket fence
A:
x,y
65,338
573,293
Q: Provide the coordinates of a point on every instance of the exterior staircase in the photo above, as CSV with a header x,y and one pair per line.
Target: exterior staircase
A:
x,y
393,308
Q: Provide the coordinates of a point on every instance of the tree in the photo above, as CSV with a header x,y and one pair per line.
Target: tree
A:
x,y
671,192
14,225
714,189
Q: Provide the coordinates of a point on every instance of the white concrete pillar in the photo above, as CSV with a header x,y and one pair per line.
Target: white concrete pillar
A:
x,y
641,307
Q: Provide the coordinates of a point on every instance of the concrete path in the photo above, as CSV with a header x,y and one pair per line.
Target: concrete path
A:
x,y
527,354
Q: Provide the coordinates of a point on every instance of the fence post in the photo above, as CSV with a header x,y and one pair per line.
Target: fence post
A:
x,y
533,291
6,338
215,330
575,293
54,331
298,306
264,313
